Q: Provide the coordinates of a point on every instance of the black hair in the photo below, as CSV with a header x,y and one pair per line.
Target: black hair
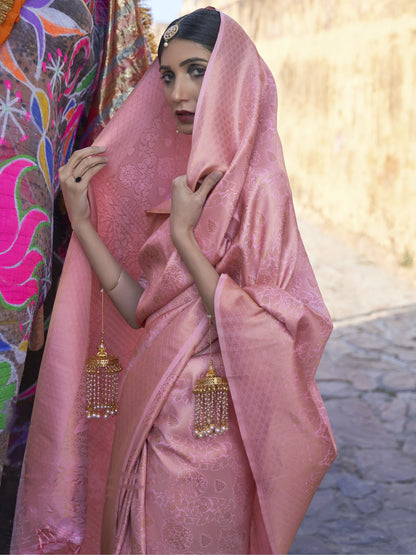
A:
x,y
200,26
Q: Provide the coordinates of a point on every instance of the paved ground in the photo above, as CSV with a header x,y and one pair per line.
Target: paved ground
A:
x,y
367,501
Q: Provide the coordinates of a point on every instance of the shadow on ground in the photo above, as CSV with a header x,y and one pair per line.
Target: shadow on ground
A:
x,y
366,502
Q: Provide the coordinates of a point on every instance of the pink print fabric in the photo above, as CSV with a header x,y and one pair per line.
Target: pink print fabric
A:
x,y
81,479
193,507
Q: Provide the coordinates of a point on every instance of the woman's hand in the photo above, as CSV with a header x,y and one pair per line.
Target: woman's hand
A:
x,y
185,212
123,290
187,205
75,176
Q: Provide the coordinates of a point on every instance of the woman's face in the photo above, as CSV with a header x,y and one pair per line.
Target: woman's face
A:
x,y
183,64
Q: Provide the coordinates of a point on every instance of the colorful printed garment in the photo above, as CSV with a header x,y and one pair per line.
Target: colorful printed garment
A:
x,y
48,70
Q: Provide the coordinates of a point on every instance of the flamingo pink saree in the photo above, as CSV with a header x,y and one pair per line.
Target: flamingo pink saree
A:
x,y
141,480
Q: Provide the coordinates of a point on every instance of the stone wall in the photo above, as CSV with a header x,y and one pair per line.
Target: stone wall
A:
x,y
346,78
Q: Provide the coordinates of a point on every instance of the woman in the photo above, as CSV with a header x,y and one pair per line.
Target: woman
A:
x,y
221,240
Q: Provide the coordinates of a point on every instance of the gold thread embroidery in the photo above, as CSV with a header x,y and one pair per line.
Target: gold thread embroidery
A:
x,y
5,8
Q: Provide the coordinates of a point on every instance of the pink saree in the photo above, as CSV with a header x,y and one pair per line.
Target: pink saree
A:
x,y
142,481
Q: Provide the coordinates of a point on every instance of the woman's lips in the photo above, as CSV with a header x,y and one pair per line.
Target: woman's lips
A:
x,y
184,117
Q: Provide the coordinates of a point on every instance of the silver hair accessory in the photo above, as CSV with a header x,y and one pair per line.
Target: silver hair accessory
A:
x,y
171,32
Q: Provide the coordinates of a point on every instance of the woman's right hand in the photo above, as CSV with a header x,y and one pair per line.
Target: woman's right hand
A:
x,y
124,290
75,176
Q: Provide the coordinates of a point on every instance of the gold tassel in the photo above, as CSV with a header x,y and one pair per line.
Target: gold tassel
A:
x,y
102,379
211,401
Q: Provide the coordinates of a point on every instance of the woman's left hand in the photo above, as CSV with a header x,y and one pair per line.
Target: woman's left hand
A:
x,y
184,215
187,205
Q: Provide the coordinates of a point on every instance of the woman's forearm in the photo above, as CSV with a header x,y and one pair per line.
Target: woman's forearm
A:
x,y
204,274
185,212
123,290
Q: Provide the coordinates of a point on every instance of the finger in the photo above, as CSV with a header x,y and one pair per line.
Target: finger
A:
x,y
67,170
92,171
91,162
63,173
82,153
67,178
80,157
209,183
180,181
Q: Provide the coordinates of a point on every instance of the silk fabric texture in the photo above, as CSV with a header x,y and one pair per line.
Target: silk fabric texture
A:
x,y
271,322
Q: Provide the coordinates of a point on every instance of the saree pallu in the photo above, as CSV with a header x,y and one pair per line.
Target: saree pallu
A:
x,y
271,323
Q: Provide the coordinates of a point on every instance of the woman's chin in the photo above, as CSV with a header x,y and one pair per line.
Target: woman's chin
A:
x,y
186,128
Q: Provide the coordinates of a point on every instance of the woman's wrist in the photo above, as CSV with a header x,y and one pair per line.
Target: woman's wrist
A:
x,y
116,282
183,238
81,227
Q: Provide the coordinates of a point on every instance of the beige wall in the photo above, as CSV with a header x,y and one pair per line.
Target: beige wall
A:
x,y
346,78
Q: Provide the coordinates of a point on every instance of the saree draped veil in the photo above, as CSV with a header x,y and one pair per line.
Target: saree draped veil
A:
x,y
271,322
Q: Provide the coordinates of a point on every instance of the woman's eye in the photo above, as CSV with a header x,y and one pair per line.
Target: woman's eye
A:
x,y
197,71
167,77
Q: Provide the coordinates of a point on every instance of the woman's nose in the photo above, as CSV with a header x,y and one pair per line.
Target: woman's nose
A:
x,y
180,89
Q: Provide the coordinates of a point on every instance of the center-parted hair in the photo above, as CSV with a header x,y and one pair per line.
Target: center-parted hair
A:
x,y
200,26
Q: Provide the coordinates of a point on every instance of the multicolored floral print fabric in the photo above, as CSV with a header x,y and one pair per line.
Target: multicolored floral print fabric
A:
x,y
47,70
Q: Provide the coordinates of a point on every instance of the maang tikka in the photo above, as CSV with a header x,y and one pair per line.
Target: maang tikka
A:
x,y
171,32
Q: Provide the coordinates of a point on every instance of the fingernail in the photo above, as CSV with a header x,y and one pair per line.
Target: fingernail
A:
x,y
218,174
102,148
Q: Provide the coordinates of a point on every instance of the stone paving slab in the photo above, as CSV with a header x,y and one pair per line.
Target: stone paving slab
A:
x,y
367,378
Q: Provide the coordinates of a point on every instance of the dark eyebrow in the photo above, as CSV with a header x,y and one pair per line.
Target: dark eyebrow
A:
x,y
184,63
191,60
